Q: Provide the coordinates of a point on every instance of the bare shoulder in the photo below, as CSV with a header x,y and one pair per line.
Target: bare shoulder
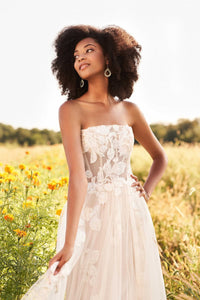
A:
x,y
133,112
70,125
70,112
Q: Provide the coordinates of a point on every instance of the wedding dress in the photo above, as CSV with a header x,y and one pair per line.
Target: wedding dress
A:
x,y
115,254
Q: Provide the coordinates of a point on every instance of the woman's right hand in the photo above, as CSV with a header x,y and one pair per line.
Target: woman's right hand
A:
x,y
62,256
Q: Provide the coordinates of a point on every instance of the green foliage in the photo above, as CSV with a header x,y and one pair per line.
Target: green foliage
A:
x,y
26,137
31,200
185,131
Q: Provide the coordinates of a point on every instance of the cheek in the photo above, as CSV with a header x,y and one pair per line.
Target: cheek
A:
x,y
100,59
76,67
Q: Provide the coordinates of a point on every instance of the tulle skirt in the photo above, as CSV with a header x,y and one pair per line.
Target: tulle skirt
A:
x,y
115,254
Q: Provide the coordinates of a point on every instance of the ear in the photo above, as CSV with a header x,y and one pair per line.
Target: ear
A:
x,y
106,60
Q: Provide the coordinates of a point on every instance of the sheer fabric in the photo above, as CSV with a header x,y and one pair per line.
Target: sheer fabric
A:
x,y
116,254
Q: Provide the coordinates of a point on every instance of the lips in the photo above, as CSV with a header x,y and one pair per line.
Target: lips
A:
x,y
83,66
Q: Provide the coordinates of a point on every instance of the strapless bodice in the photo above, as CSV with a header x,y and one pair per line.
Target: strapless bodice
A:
x,y
106,151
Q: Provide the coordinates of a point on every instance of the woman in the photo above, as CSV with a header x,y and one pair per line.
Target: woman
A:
x,y
106,244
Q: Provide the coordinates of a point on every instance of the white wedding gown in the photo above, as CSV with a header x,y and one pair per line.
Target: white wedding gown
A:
x,y
116,254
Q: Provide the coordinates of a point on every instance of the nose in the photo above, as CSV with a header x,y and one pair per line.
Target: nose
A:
x,y
81,57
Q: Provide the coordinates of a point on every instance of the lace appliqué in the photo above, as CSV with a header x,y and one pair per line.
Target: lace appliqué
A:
x,y
88,268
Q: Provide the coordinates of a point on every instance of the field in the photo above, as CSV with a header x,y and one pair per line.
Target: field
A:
x,y
33,190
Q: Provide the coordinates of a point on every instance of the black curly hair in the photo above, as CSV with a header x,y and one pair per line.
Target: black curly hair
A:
x,y
120,47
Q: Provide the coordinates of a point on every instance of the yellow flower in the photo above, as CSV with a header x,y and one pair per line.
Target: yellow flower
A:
x,y
27,204
19,232
27,152
36,181
9,217
28,244
54,185
64,180
36,173
10,178
4,211
2,180
29,198
22,166
1,164
45,192
28,173
9,169
58,212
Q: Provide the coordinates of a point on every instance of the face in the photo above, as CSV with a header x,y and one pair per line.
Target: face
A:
x,y
89,58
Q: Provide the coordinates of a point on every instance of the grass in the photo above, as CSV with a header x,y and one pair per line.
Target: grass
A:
x,y
174,207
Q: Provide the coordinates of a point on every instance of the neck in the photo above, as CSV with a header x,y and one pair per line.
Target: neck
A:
x,y
98,90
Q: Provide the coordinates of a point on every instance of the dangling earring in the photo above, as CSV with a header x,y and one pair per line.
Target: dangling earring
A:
x,y
107,72
81,83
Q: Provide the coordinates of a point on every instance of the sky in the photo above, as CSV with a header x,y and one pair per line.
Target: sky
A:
x,y
169,72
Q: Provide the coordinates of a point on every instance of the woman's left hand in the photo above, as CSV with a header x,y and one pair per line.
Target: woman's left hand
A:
x,y
140,188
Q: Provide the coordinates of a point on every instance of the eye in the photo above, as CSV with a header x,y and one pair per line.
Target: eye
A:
x,y
89,49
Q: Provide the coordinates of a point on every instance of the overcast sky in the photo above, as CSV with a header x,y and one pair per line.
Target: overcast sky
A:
x,y
168,31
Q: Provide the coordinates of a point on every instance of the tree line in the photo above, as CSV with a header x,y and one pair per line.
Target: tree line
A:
x,y
184,130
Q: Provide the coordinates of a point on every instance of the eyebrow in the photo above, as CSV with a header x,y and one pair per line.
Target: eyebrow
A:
x,y
86,46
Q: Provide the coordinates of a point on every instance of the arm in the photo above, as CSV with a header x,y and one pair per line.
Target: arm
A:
x,y
70,131
147,139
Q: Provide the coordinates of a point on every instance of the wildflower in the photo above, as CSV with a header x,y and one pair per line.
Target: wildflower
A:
x,y
28,244
64,180
1,164
29,198
22,166
8,169
2,180
36,173
28,173
4,211
66,197
9,217
54,185
27,152
45,192
49,168
10,178
20,233
28,225
36,181
58,212
27,204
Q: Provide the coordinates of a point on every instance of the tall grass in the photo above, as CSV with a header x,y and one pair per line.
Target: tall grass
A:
x,y
33,190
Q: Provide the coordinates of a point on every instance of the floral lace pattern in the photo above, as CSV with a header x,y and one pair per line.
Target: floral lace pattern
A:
x,y
88,268
107,150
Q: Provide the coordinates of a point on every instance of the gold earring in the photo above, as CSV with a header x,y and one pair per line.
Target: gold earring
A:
x,y
107,72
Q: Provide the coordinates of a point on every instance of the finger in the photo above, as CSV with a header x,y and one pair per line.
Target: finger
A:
x,y
59,266
135,184
54,259
135,177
